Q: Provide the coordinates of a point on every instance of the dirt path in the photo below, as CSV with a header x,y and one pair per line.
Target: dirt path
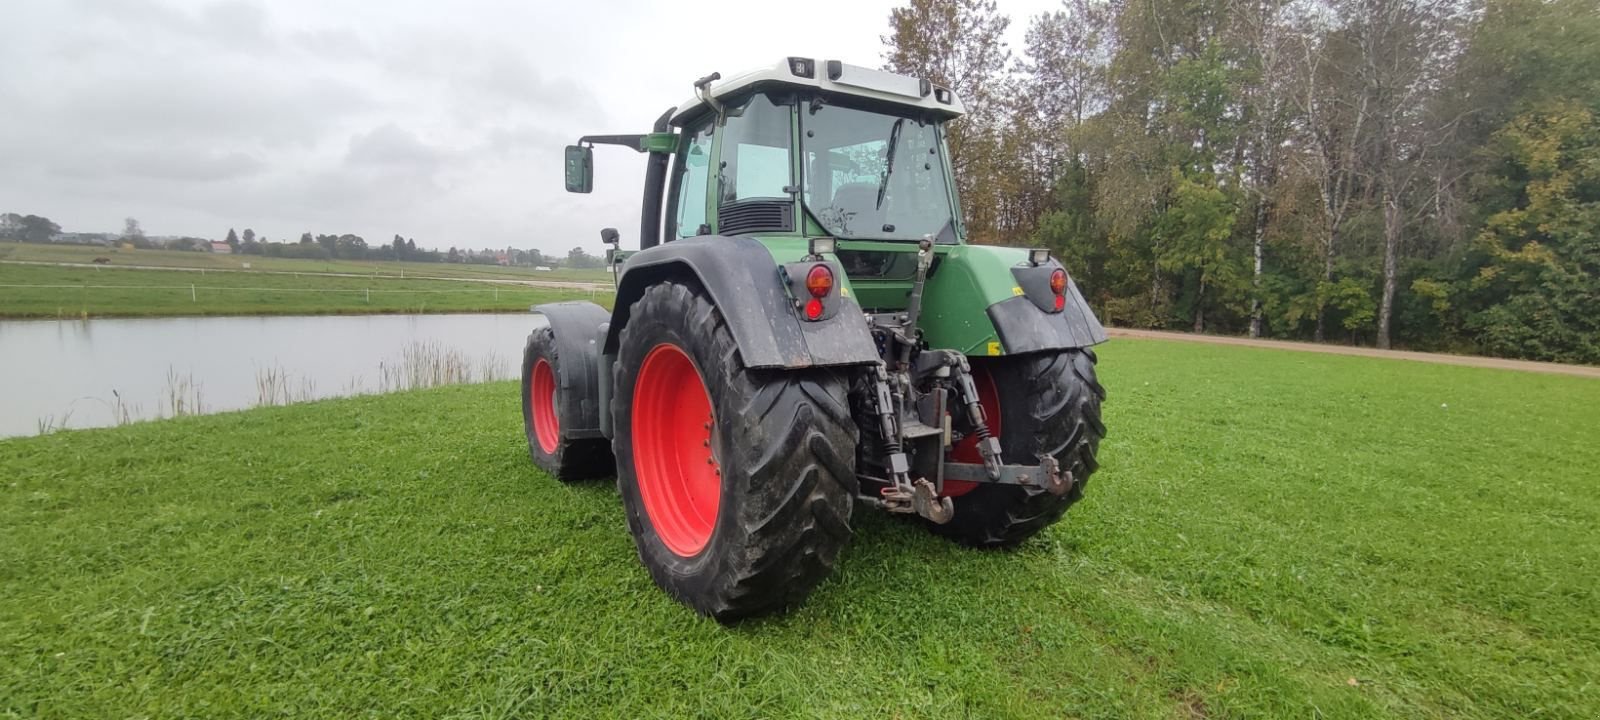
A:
x,y
1468,360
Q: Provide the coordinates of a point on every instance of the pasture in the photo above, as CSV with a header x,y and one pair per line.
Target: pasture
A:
x,y
1272,534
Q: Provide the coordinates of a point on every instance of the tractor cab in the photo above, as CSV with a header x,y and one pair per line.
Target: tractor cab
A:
x,y
803,149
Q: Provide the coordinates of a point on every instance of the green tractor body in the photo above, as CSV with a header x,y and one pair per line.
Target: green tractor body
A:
x,y
805,330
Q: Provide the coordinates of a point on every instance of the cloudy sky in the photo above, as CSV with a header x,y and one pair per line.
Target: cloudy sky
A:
x,y
442,121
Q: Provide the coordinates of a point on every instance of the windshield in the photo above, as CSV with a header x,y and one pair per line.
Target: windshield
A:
x,y
871,175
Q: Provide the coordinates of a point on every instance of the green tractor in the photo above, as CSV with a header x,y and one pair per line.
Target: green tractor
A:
x,y
804,331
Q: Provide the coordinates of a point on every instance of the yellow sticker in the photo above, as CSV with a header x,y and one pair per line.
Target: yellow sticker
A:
x,y
994,348
1016,291
844,291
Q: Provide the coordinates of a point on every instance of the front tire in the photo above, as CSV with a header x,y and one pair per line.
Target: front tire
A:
x,y
737,484
1048,403
543,396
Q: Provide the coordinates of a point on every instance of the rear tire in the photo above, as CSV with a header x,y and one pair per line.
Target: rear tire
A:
x,y
542,399
779,447
1049,403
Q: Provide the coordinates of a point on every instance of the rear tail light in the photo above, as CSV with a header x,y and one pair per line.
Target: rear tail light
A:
x,y
813,309
819,282
1058,285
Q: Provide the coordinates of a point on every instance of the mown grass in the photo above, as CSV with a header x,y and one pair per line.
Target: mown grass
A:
x,y
54,292
1273,534
214,261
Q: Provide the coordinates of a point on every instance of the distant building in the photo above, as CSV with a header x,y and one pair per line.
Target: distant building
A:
x,y
222,247
502,259
542,268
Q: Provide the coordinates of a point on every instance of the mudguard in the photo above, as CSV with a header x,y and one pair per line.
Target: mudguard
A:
x,y
742,278
576,327
987,300
1023,326
1022,331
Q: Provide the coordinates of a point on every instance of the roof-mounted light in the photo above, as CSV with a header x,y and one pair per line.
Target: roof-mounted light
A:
x,y
803,67
1038,256
942,95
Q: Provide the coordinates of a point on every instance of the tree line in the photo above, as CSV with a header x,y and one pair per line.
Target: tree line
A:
x,y
1423,173
17,227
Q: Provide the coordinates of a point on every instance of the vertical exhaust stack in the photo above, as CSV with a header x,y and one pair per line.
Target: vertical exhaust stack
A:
x,y
655,180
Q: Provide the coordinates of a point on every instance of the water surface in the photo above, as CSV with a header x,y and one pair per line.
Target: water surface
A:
x,y
93,373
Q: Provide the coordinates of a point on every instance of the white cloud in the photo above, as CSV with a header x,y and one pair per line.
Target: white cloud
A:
x,y
439,121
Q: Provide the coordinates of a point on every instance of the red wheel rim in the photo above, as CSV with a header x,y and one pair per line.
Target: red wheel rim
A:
x,y
542,398
966,451
673,454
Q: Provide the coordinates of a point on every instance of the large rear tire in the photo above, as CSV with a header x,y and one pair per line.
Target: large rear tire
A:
x,y
543,396
737,484
1048,403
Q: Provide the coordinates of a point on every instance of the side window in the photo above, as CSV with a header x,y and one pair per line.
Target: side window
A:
x,y
755,152
692,184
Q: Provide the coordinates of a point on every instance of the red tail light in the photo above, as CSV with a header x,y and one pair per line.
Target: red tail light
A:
x,y
819,281
813,309
1058,281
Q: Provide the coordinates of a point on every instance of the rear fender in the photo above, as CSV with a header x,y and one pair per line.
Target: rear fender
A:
x,y
987,300
744,282
576,326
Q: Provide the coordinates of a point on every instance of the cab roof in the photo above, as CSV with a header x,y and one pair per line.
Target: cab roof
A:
x,y
835,77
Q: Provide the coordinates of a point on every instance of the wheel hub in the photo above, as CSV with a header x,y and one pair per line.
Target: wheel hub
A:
x,y
674,450
542,400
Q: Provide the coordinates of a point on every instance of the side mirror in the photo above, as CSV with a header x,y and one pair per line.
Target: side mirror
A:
x,y
580,169
611,237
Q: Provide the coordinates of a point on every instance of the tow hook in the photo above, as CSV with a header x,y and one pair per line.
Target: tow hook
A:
x,y
1054,481
921,499
927,504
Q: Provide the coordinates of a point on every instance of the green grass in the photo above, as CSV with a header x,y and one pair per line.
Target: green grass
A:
x,y
79,292
181,259
1273,534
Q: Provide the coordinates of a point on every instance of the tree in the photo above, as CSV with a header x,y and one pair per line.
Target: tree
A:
x,y
1268,92
306,239
233,240
38,229
352,247
960,44
399,246
11,227
132,234
578,258
1534,281
1332,115
1415,172
1193,236
1407,50
453,255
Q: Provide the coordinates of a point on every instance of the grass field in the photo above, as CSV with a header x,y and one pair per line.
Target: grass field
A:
x,y
52,292
178,259
1272,534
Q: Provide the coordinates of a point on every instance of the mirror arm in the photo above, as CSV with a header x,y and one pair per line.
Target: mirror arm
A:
x,y
631,141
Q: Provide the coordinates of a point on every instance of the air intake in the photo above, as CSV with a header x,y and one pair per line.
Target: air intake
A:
x,y
750,216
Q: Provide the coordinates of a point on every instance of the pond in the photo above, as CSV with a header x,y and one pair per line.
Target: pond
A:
x,y
57,374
